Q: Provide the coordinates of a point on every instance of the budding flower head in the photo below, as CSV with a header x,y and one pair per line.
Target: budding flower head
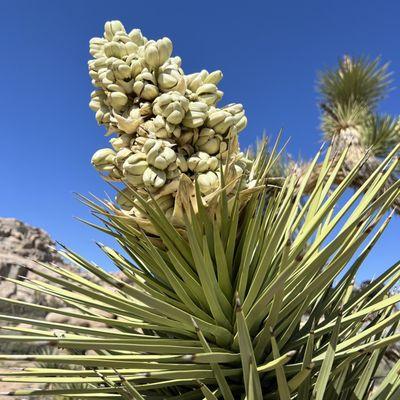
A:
x,y
167,126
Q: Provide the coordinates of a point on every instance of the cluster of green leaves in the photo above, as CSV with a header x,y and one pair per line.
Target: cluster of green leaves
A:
x,y
251,300
350,96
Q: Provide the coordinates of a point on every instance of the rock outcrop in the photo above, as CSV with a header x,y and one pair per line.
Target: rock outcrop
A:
x,y
21,246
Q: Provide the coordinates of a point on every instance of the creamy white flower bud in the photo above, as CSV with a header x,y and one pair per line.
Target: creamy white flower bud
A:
x,y
158,154
188,137
137,37
196,115
122,37
145,85
145,108
103,115
219,120
113,175
121,142
98,98
208,182
160,128
136,64
209,94
114,49
172,106
156,53
230,119
103,159
133,180
121,156
208,141
153,177
134,167
98,63
121,69
214,77
96,46
194,81
117,100
111,28
171,78
202,162
135,164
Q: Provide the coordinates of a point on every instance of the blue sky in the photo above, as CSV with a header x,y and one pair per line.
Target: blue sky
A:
x,y
269,51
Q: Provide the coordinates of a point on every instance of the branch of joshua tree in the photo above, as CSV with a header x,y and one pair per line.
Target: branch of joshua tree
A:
x,y
348,145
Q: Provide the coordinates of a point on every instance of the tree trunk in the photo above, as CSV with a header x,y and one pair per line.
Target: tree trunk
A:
x,y
355,153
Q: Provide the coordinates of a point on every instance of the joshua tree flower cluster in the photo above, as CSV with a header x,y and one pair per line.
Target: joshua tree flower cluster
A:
x,y
166,123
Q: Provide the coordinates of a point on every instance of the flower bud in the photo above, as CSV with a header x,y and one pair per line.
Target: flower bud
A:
x,y
208,141
122,37
117,100
121,156
160,128
135,164
111,28
171,78
196,80
98,98
136,64
145,85
113,175
137,37
208,94
121,69
193,81
134,167
96,46
114,49
187,137
156,53
202,162
172,106
103,159
214,77
230,119
103,115
120,142
208,182
153,177
196,115
158,154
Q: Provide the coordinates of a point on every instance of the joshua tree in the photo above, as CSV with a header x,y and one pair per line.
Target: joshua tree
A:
x,y
235,287
350,95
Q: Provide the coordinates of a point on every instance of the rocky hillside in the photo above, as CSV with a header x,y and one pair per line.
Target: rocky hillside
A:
x,y
20,246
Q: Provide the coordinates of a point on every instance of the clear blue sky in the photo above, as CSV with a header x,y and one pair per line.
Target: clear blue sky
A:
x,y
269,52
